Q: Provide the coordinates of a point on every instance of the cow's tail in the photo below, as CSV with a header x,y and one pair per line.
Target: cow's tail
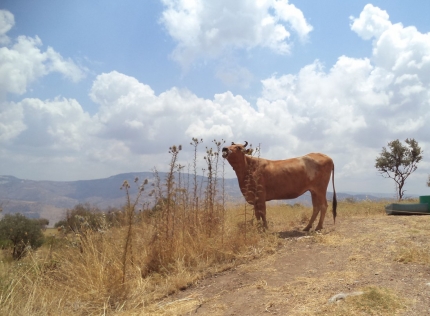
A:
x,y
334,205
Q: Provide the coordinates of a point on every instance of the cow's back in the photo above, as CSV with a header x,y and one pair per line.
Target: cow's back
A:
x,y
290,178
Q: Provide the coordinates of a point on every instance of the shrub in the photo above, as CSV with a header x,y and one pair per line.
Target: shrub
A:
x,y
83,217
20,232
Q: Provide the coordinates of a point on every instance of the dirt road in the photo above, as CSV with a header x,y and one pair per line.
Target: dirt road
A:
x,y
386,253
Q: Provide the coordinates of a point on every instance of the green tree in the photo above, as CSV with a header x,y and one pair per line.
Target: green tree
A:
x,y
398,162
20,232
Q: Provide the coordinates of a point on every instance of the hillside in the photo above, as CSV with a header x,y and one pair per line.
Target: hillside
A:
x,y
383,259
50,199
367,263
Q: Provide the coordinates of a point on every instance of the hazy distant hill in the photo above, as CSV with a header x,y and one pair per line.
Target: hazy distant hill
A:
x,y
50,199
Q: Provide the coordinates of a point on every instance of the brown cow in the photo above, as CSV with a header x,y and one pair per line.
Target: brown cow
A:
x,y
262,180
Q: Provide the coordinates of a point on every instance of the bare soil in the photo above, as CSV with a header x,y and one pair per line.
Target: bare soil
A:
x,y
307,269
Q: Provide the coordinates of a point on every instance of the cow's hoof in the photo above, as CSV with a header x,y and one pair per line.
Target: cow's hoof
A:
x,y
306,229
318,228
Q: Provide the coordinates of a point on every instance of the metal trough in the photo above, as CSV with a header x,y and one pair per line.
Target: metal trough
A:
x,y
422,208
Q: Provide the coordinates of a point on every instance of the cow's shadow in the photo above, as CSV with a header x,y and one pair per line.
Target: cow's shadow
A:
x,y
292,234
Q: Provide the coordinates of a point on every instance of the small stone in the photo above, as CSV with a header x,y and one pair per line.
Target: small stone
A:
x,y
337,297
342,296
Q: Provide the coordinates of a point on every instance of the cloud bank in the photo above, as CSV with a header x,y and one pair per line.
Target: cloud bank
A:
x,y
348,111
206,29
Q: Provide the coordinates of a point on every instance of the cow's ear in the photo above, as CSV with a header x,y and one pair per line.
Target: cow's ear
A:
x,y
249,151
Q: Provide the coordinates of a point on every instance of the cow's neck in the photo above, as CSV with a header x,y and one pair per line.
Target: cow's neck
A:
x,y
244,170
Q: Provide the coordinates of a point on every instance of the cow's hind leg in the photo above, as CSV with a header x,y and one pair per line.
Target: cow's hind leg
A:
x,y
313,217
323,208
319,205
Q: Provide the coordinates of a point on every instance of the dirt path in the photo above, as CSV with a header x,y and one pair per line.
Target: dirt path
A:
x,y
307,270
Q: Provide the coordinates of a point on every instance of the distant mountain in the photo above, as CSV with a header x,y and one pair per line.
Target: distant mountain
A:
x,y
50,199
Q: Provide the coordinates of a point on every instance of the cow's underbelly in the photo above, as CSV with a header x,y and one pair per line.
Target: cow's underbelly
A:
x,y
286,191
284,196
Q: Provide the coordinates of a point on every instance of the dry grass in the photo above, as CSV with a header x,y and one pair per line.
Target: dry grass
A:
x,y
87,280
317,266
128,269
373,301
294,216
413,251
146,256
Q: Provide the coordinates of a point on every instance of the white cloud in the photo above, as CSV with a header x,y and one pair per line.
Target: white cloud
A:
x,y
24,61
205,29
55,125
294,16
403,50
7,21
397,49
372,22
54,62
131,122
132,113
316,107
11,122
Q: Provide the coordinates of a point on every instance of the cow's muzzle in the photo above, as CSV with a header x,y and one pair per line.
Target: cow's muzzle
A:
x,y
225,152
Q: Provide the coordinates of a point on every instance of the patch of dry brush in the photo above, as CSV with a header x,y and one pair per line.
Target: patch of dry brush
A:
x,y
148,254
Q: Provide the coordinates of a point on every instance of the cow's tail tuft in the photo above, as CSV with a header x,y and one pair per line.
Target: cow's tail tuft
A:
x,y
334,205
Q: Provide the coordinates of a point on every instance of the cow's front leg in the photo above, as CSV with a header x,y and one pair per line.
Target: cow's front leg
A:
x,y
260,212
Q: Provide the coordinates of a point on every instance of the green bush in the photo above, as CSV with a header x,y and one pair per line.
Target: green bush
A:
x,y
5,243
18,232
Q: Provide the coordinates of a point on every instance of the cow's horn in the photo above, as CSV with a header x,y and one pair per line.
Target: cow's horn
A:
x,y
232,143
246,144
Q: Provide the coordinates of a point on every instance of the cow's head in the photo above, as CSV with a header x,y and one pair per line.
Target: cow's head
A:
x,y
236,151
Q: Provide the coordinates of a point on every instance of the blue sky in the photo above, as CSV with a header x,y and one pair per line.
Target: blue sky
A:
x,y
89,89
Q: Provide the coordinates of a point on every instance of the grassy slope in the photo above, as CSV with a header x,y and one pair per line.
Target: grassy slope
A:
x,y
62,279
